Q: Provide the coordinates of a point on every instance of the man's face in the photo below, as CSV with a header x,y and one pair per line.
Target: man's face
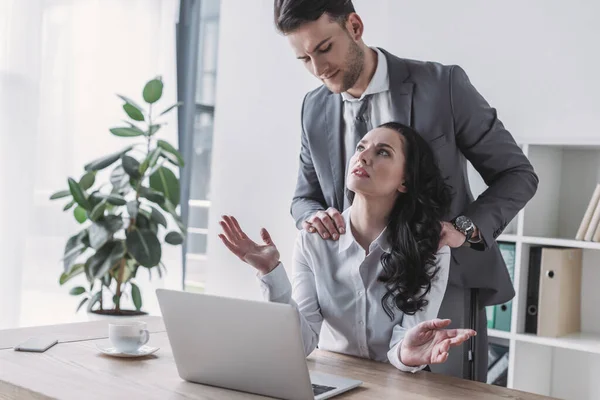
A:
x,y
328,52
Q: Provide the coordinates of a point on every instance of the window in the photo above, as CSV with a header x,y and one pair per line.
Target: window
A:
x,y
199,203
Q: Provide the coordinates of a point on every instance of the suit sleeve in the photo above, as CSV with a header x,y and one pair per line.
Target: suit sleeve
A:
x,y
308,196
492,151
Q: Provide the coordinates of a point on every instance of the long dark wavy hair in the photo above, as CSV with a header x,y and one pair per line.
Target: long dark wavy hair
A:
x,y
414,227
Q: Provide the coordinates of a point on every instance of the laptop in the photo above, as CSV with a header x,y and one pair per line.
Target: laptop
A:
x,y
245,345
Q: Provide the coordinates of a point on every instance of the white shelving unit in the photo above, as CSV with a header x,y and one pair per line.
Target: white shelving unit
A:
x,y
566,367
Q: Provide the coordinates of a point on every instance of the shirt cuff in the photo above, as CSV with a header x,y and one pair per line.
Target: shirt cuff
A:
x,y
394,357
275,285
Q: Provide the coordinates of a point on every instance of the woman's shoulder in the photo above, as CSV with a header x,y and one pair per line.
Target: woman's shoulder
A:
x,y
313,243
443,250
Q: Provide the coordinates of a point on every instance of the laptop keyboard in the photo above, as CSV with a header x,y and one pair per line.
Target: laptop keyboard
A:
x,y
320,389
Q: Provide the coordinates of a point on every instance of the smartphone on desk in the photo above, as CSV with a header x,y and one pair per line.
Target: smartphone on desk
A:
x,y
36,344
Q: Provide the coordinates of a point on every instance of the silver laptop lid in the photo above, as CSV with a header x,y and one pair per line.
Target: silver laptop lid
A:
x,y
245,345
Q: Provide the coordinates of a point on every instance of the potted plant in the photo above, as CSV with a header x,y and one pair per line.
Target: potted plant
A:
x,y
123,214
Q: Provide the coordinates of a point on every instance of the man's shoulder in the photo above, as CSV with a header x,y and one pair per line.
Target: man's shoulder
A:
x,y
419,70
317,95
315,100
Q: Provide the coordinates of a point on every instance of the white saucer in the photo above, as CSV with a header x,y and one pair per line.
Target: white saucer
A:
x,y
141,352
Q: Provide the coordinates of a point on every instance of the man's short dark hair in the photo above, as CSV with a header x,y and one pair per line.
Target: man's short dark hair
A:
x,y
290,14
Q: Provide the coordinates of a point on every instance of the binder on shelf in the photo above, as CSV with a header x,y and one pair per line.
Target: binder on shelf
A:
x,y
533,287
596,237
503,312
594,222
587,217
489,312
559,309
497,365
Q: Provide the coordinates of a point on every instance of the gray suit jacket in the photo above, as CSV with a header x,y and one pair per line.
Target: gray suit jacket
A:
x,y
443,106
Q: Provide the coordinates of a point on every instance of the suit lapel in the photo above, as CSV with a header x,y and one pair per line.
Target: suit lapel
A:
x,y
401,89
333,119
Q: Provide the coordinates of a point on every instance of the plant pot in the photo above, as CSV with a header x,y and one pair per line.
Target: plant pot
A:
x,y
99,315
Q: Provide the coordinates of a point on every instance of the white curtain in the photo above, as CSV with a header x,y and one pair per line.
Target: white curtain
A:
x,y
61,63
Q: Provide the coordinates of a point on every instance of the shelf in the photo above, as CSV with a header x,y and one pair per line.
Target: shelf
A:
x,y
580,244
499,334
586,342
508,238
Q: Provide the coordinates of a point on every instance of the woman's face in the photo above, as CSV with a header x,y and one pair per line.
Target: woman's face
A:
x,y
377,167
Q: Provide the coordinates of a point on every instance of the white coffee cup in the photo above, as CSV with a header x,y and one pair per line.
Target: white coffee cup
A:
x,y
128,337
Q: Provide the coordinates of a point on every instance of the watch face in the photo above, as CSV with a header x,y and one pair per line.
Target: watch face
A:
x,y
463,223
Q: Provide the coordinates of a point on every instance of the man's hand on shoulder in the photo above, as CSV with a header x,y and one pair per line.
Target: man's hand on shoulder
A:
x,y
451,237
329,224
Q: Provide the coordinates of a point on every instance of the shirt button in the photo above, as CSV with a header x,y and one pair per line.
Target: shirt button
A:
x,y
361,323
360,292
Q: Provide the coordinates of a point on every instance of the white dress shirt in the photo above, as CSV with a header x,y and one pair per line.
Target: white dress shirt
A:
x,y
339,297
379,109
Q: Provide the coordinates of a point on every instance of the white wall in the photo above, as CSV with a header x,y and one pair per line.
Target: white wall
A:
x,y
535,61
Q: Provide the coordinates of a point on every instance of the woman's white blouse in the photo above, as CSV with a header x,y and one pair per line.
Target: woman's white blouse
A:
x,y
339,297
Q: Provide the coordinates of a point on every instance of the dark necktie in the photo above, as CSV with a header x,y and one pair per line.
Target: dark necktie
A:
x,y
360,120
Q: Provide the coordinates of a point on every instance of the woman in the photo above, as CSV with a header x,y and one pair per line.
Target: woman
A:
x,y
376,292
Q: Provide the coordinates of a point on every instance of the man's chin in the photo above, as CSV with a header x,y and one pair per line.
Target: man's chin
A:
x,y
334,87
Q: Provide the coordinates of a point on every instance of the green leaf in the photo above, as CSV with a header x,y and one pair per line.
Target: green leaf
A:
x,y
152,195
61,194
171,209
105,258
179,103
106,279
80,214
113,199
133,112
76,291
143,222
101,231
119,179
82,303
126,132
150,160
153,91
75,270
153,129
78,194
171,158
73,249
165,181
158,217
131,166
144,246
106,161
130,269
98,211
87,180
69,205
174,238
136,296
133,103
95,298
167,147
133,208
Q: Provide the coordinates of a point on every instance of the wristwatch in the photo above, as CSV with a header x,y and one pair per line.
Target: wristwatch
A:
x,y
464,225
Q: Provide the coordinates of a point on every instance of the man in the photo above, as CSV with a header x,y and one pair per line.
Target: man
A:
x,y
364,87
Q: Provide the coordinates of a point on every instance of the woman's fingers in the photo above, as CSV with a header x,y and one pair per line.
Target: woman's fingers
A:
x,y
233,248
266,237
227,230
236,228
232,228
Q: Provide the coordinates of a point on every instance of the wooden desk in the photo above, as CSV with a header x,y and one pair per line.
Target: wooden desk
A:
x,y
75,369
